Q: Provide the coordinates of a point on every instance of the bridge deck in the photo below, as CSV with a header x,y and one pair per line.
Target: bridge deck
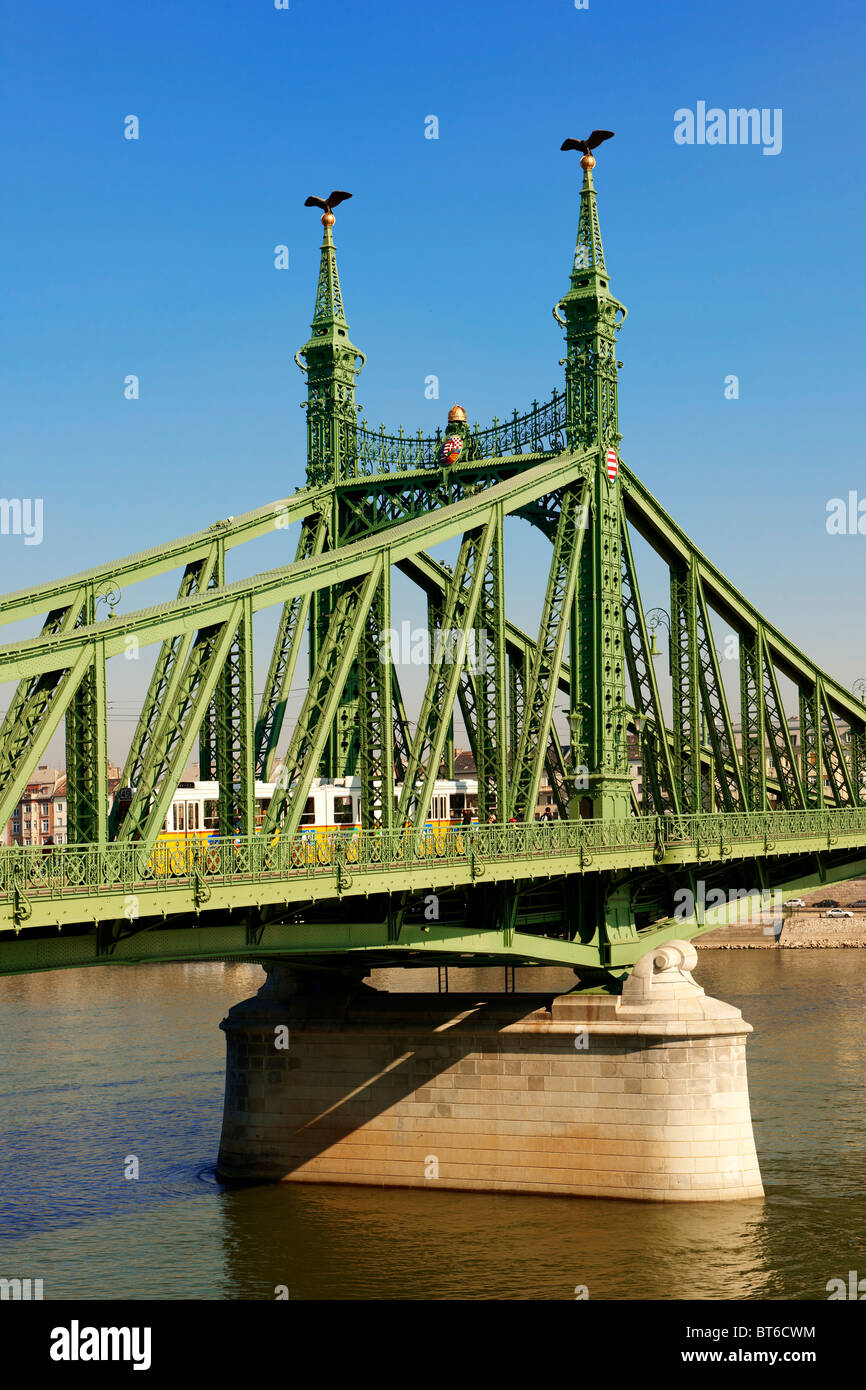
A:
x,y
76,886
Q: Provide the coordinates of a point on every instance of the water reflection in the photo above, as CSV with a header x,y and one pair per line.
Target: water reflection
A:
x,y
99,1064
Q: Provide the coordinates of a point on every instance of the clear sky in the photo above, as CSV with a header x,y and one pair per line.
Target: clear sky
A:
x,y
155,257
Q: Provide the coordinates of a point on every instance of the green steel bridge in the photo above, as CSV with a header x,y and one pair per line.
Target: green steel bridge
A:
x,y
730,807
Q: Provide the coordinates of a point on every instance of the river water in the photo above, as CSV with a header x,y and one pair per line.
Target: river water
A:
x,y
100,1065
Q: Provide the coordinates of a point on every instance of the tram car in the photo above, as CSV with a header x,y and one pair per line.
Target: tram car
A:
x,y
332,805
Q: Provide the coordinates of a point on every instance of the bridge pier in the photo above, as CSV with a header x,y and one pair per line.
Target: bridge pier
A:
x,y
641,1095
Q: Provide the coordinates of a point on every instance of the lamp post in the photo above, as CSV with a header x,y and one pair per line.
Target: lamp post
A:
x,y
656,618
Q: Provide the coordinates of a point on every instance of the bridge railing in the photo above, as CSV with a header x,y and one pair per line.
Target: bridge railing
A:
x,y
767,825
82,870
541,429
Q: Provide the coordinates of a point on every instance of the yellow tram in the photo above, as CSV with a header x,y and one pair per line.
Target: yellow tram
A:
x,y
333,805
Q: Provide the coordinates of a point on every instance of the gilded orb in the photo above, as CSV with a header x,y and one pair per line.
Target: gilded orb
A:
x,y
328,218
588,162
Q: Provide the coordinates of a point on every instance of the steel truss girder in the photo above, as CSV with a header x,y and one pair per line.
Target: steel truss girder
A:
x,y
234,732
403,496
284,658
447,659
858,764
543,684
178,729
32,700
811,756
148,625
517,676
752,719
465,689
659,529
728,775
346,625
490,683
434,578
834,757
207,734
376,711
161,559
401,729
685,680
654,738
790,783
163,683
47,703
557,773
87,756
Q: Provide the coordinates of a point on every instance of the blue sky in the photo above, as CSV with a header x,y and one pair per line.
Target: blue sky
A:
x,y
156,257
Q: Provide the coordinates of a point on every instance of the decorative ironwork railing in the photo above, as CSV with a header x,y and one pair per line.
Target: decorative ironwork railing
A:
x,y
541,430
83,870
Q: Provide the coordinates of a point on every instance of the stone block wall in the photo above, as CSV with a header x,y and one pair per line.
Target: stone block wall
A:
x,y
643,1096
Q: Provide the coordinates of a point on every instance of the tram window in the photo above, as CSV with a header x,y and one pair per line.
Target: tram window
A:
x,y
192,815
439,808
261,810
458,802
179,820
211,815
343,810
309,816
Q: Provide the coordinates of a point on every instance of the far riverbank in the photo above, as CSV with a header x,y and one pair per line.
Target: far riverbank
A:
x,y
801,932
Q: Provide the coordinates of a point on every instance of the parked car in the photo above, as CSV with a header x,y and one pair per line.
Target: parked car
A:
x,y
826,902
838,912
861,902
795,902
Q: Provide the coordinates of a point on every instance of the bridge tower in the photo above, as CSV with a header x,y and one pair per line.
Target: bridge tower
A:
x,y
331,363
592,317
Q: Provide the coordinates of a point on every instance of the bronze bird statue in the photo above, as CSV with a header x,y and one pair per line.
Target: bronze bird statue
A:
x,y
585,146
329,203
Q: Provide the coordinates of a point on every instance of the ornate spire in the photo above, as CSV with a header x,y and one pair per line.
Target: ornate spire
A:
x,y
329,359
329,297
591,318
588,252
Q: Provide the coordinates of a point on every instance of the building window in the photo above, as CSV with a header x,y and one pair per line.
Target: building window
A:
x,y
45,827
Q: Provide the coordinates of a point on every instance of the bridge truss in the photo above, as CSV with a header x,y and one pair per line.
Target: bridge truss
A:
x,y
757,802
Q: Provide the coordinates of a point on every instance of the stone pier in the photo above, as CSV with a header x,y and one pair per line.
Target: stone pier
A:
x,y
642,1095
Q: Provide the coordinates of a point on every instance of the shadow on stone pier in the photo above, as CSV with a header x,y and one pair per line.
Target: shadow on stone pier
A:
x,y
641,1096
